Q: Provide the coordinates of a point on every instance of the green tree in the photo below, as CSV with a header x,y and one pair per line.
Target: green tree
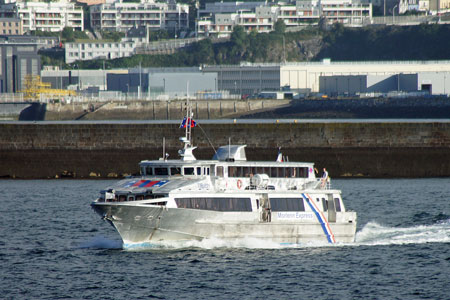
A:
x,y
68,34
202,52
279,27
238,36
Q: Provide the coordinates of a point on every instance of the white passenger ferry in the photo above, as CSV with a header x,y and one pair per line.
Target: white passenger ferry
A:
x,y
225,198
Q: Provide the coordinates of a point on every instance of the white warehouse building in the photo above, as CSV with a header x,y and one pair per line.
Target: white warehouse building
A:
x,y
249,78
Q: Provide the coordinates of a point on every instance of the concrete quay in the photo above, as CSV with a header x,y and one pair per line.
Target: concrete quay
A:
x,y
157,109
348,148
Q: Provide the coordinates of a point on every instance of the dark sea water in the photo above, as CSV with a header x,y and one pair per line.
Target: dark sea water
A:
x,y
53,246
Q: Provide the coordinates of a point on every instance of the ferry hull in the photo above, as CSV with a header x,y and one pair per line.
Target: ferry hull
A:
x,y
154,224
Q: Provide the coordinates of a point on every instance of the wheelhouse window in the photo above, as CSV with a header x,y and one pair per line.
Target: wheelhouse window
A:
x,y
175,171
148,170
161,171
189,171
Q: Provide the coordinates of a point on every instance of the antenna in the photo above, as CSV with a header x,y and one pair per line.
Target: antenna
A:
x,y
164,148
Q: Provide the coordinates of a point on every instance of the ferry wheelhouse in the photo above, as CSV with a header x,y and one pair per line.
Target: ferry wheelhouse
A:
x,y
226,197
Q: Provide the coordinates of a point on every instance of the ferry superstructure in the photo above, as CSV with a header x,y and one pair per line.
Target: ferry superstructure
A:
x,y
225,198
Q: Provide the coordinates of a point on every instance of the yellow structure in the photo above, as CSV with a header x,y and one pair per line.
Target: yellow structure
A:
x,y
34,88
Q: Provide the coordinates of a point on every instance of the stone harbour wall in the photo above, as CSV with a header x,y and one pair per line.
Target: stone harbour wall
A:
x,y
113,149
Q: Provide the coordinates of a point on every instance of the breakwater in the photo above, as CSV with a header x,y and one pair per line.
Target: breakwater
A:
x,y
113,149
385,108
157,110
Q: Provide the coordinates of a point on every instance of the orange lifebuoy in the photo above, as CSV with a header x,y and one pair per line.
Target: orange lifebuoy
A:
x,y
239,184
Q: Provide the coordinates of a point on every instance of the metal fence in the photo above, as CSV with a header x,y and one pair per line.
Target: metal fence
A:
x,y
119,96
12,97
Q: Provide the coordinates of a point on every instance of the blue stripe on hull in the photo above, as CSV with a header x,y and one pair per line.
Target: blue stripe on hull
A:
x,y
319,218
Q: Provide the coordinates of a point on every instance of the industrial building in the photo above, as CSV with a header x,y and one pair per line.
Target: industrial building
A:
x,y
433,83
18,58
171,82
142,83
245,80
251,79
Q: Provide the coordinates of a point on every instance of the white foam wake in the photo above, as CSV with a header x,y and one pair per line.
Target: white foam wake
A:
x,y
371,234
215,243
376,234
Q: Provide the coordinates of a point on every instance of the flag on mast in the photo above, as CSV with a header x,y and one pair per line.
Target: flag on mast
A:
x,y
188,122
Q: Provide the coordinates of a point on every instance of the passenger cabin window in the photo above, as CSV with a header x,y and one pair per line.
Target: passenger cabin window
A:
x,y
199,171
175,171
188,171
217,204
324,204
274,172
161,171
149,170
142,171
287,204
247,171
219,171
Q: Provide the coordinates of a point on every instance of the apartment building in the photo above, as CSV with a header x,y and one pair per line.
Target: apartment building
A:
x,y
220,18
47,16
437,6
413,5
119,16
11,26
220,22
107,49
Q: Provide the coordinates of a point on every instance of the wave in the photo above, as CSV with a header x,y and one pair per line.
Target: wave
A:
x,y
372,234
375,234
100,242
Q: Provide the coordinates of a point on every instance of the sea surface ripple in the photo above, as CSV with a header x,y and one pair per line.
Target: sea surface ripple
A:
x,y
53,246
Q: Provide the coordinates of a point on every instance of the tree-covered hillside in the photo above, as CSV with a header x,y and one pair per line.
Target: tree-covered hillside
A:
x,y
424,42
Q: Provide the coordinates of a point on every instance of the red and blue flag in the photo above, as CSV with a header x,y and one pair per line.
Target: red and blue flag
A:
x,y
188,122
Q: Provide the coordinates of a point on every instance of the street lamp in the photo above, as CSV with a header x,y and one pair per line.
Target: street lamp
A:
x,y
393,14
78,76
140,81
